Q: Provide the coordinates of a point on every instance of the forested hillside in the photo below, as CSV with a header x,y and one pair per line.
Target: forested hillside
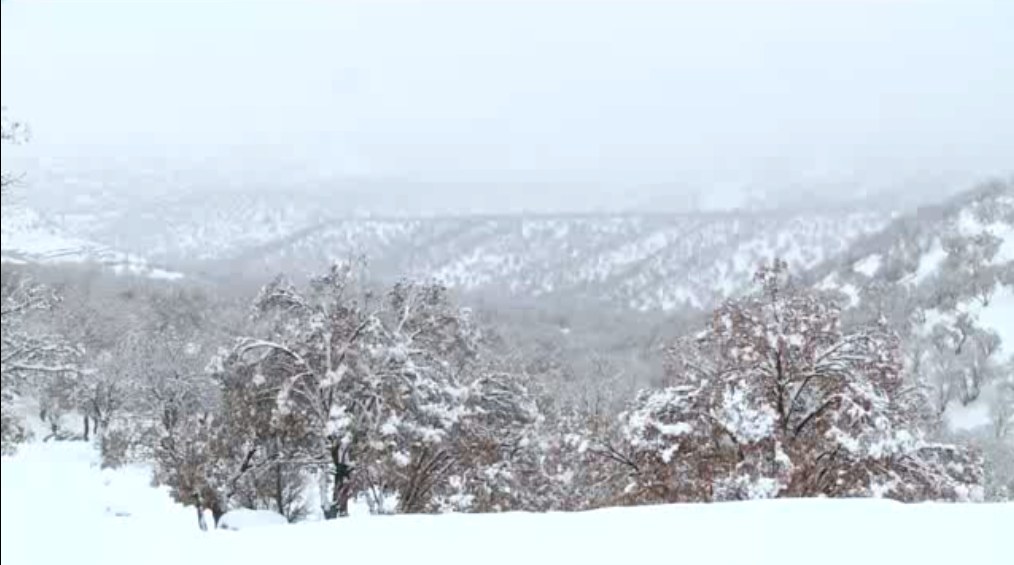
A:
x,y
638,261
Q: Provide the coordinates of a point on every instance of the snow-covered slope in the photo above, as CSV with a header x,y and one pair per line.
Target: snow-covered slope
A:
x,y
28,237
912,255
641,261
915,272
59,509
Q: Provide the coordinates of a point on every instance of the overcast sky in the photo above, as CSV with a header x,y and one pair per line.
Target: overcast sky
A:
x,y
444,90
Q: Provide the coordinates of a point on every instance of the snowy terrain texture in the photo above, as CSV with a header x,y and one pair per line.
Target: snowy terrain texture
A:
x,y
60,509
639,261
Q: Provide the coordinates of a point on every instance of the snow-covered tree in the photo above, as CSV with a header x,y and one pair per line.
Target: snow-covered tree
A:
x,y
176,413
34,361
587,461
955,362
383,394
970,267
189,461
101,392
998,453
1002,406
9,133
145,349
314,342
774,399
496,449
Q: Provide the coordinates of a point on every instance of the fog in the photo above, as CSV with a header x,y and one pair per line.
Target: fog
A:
x,y
722,95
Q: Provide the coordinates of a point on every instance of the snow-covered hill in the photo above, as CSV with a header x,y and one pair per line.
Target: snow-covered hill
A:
x,y
946,278
643,261
28,237
935,257
58,508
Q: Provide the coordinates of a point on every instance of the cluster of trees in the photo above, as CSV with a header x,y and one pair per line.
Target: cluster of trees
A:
x,y
34,358
387,396
957,361
404,400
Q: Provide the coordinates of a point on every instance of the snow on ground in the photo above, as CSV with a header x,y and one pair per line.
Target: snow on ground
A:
x,y
59,509
28,237
26,232
975,416
930,263
869,266
969,225
239,520
999,317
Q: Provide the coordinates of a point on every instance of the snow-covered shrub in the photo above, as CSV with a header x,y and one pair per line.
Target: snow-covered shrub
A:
x,y
496,449
12,433
586,461
775,400
189,461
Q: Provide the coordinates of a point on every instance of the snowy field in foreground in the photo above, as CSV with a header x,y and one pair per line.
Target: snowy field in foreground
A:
x,y
59,509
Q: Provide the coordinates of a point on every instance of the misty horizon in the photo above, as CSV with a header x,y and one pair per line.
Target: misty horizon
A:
x,y
714,97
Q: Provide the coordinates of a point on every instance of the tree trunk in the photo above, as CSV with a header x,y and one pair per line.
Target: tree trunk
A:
x,y
341,491
280,492
217,513
208,500
341,494
202,523
87,429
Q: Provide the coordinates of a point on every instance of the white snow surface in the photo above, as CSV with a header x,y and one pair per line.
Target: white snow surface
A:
x,y
969,418
930,263
870,266
60,509
999,317
28,237
239,520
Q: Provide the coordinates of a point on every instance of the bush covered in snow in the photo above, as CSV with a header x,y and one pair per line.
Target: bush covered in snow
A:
x,y
12,433
386,395
775,400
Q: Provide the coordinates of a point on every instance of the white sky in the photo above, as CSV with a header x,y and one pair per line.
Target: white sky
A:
x,y
476,89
